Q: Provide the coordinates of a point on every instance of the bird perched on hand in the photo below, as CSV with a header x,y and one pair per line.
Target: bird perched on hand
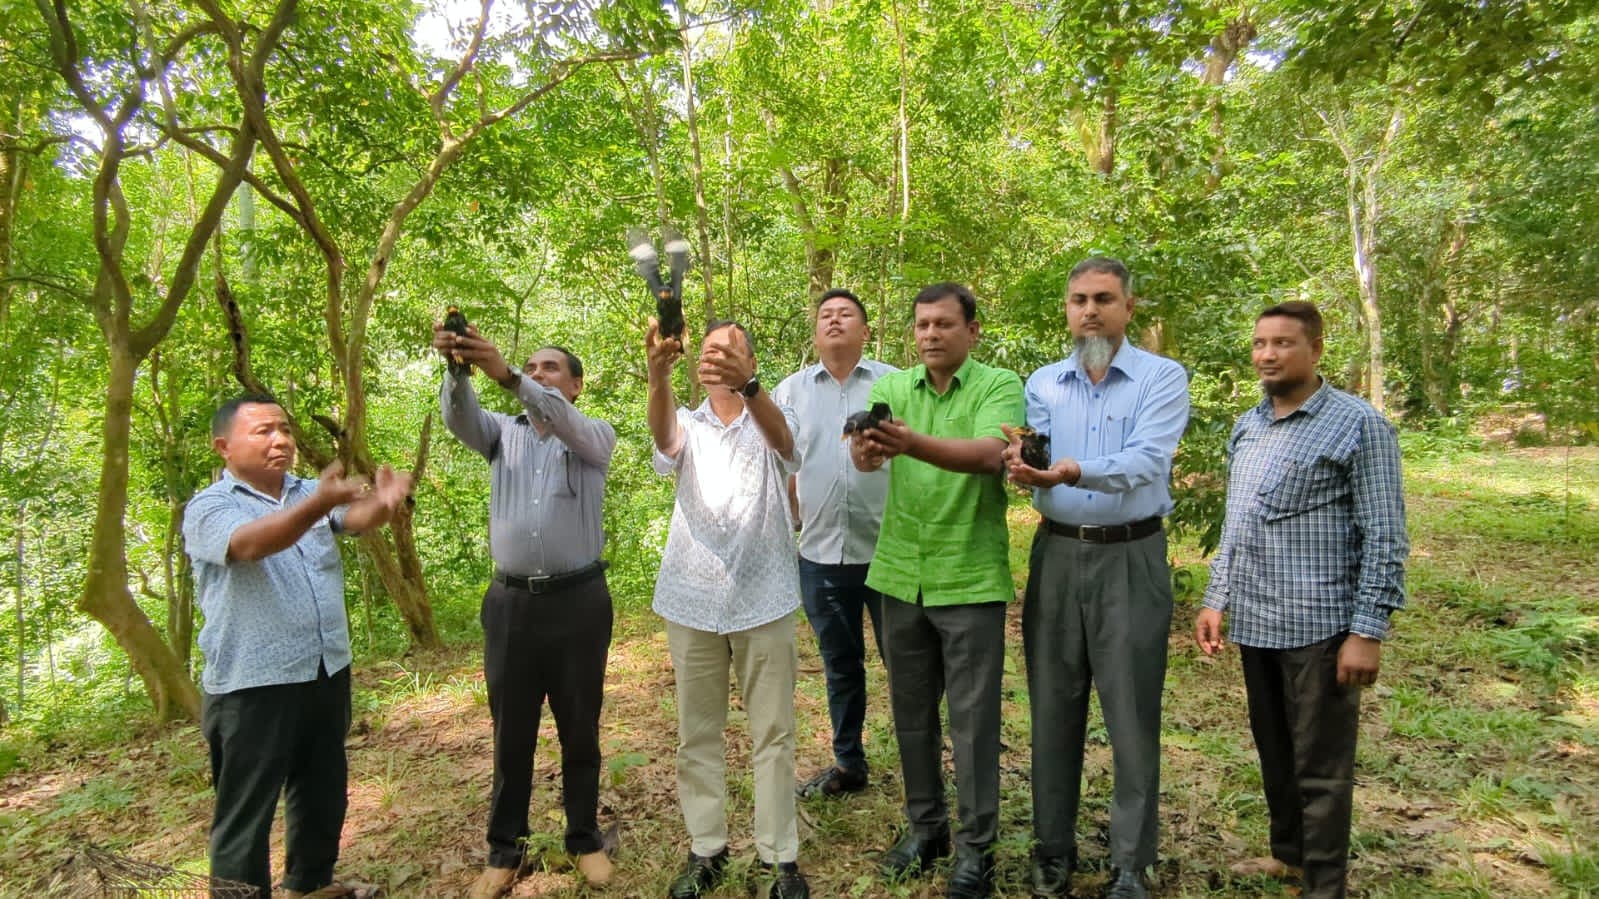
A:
x,y
867,419
1035,448
668,293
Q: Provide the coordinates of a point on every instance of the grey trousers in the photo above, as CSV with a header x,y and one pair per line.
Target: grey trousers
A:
x,y
1097,614
961,649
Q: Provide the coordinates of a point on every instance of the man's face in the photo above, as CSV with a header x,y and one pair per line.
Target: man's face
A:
x,y
840,325
549,367
259,447
1097,306
1284,358
944,337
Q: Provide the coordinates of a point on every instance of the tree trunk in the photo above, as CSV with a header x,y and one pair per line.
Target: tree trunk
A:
x,y
106,597
11,165
702,219
22,620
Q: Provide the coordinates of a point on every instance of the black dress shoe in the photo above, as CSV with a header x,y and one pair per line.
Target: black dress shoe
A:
x,y
973,874
1126,884
700,875
1052,875
834,781
913,854
788,883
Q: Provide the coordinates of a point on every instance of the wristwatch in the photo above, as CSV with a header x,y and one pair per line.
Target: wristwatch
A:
x,y
752,386
512,381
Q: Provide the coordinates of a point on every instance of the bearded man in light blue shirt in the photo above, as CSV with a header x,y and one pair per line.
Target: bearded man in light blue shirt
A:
x,y
1099,599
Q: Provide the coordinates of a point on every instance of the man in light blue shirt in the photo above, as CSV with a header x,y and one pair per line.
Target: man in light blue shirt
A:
x,y
276,643
840,510
1099,599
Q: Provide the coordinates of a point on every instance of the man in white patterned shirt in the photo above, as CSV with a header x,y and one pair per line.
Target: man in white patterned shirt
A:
x,y
728,587
1311,564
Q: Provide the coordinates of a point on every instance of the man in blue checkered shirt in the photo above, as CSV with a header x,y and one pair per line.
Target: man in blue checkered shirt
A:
x,y
1310,566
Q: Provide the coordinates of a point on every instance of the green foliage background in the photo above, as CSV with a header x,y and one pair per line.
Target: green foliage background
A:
x,y
870,144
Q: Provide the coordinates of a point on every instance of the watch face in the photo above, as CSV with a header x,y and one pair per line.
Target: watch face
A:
x,y
752,386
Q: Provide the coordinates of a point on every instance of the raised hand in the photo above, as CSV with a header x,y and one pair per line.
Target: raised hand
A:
x,y
473,348
392,487
662,352
729,365
334,489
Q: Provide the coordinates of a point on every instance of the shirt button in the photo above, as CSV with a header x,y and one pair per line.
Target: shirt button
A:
x,y
535,533
1093,427
535,502
538,471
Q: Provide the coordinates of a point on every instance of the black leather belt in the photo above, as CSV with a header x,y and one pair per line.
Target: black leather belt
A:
x,y
553,582
1104,533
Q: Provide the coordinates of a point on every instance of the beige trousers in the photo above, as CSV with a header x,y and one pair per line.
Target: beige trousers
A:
x,y
763,659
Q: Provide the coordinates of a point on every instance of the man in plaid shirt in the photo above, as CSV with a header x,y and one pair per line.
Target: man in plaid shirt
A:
x,y
1310,566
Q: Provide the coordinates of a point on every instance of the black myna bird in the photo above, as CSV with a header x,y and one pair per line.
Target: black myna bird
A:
x,y
1035,448
867,419
455,321
668,293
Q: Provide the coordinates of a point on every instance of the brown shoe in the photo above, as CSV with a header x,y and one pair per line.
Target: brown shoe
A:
x,y
595,867
492,883
1267,866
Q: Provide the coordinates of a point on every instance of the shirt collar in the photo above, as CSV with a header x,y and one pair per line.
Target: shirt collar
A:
x,y
1310,407
705,413
819,370
290,484
962,374
1125,361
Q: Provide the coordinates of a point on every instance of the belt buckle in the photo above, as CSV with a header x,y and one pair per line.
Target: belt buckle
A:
x,y
1092,533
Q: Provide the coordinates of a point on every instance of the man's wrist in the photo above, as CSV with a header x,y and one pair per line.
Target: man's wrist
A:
x,y
511,381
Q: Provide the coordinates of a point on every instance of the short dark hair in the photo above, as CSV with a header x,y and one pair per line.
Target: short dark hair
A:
x,y
1105,265
1305,313
717,324
841,292
222,419
574,365
933,293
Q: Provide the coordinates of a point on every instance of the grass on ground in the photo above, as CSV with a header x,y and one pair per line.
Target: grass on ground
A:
x,y
1478,762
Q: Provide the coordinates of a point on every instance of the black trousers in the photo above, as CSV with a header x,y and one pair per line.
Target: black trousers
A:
x,y
1097,617
959,649
535,647
286,739
1305,726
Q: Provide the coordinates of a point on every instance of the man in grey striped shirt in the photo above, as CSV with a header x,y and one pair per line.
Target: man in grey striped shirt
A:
x,y
547,614
1311,564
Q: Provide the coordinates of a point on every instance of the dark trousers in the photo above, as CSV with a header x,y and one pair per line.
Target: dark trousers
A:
x,y
1097,615
536,647
1305,726
835,597
929,649
288,739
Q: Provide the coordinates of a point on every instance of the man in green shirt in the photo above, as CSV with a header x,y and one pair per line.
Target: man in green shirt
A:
x,y
942,565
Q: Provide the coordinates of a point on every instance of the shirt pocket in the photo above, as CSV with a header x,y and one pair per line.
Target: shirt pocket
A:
x,y
322,547
955,424
1114,430
562,478
1301,488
